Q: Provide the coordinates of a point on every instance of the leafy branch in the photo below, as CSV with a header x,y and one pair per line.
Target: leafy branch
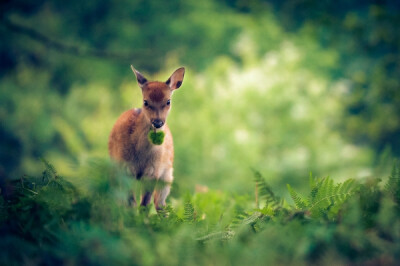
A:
x,y
323,196
64,47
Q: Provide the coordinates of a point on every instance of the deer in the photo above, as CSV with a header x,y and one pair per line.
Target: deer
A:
x,y
129,143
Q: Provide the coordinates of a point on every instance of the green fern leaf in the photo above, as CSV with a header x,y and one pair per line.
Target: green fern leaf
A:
x,y
189,215
392,186
238,220
329,195
298,201
49,168
266,192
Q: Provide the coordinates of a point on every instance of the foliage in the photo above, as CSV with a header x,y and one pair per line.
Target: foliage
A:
x,y
367,36
325,197
156,138
393,185
258,92
189,215
284,87
265,191
47,220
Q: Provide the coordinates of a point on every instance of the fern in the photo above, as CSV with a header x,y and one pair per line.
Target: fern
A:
x,y
327,195
189,215
392,187
266,192
243,219
252,219
325,198
166,211
298,201
219,235
33,186
315,185
321,198
50,169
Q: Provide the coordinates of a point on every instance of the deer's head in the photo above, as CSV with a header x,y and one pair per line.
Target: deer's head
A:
x,y
157,96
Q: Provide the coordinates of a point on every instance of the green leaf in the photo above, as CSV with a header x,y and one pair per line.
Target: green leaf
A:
x,y
266,192
189,215
298,201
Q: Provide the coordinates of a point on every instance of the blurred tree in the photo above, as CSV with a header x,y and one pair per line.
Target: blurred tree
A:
x,y
368,40
367,36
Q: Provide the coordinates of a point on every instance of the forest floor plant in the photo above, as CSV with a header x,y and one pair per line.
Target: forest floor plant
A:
x,y
49,220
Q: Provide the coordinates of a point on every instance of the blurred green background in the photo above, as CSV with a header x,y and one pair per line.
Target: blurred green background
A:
x,y
284,87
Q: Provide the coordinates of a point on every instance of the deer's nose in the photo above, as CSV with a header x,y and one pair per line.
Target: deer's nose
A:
x,y
157,123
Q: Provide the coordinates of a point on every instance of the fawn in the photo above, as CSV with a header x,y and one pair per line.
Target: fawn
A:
x,y
130,145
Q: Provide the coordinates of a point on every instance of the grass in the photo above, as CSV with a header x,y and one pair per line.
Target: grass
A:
x,y
48,220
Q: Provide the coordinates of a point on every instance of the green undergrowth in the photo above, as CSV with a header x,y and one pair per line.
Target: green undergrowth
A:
x,y
48,220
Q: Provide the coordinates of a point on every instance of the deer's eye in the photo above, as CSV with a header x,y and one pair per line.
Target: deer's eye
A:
x,y
168,102
145,103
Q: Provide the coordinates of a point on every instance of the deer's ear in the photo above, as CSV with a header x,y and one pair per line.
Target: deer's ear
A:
x,y
176,79
140,78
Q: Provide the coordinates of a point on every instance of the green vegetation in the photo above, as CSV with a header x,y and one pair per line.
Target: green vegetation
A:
x,y
282,87
156,138
48,220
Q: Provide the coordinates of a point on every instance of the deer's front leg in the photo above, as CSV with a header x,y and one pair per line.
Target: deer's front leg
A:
x,y
162,189
160,194
148,185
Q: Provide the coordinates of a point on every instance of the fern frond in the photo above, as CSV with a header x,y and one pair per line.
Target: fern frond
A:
x,y
315,185
239,220
266,192
212,236
328,195
298,201
49,167
252,218
392,186
189,214
267,211
166,211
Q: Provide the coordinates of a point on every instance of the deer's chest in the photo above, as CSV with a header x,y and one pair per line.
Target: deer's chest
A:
x,y
146,161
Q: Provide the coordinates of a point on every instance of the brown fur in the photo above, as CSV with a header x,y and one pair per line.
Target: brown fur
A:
x,y
155,93
128,142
